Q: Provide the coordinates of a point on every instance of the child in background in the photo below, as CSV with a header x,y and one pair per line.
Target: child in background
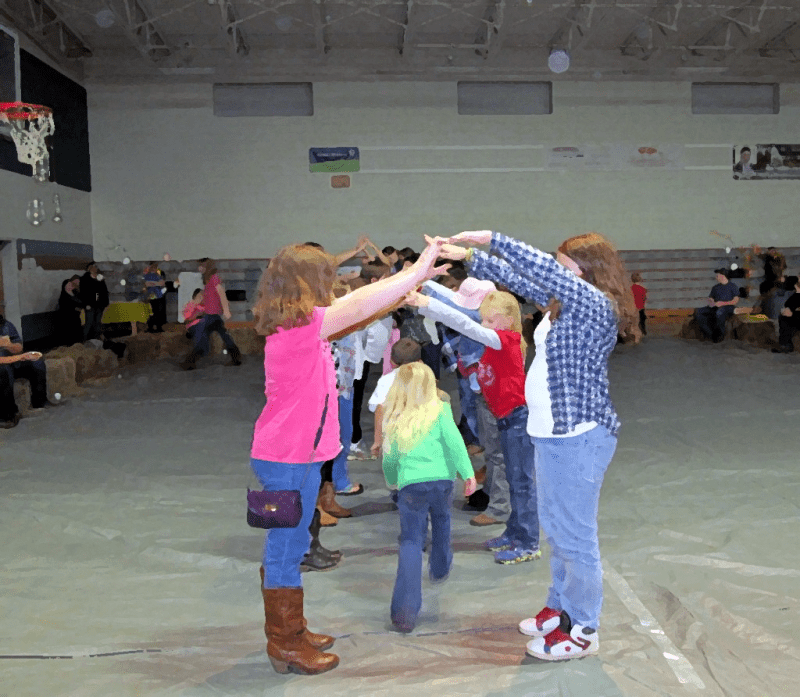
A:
x,y
370,345
423,452
501,374
639,297
194,317
403,352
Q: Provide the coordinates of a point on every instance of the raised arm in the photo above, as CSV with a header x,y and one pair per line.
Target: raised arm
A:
x,y
379,296
438,311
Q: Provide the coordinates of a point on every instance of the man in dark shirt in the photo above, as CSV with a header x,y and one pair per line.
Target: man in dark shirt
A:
x,y
789,320
722,301
16,364
94,294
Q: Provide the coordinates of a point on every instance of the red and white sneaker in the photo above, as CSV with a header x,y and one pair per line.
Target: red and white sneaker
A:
x,y
541,625
565,642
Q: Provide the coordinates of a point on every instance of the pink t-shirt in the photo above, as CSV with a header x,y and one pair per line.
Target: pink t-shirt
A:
x,y
211,296
300,374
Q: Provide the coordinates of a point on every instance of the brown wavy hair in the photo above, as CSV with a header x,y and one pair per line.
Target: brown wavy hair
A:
x,y
603,267
298,279
211,268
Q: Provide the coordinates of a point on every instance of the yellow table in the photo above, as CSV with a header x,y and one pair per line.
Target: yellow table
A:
x,y
124,312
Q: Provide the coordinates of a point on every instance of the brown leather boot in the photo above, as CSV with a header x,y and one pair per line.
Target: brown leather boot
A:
x,y
326,519
327,500
317,641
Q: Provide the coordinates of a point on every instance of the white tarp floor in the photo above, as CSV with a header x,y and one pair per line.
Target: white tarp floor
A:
x,y
128,568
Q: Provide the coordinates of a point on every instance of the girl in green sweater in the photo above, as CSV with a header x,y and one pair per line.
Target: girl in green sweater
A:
x,y
423,452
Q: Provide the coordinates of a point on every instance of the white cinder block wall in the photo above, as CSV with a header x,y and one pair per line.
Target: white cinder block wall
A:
x,y
169,176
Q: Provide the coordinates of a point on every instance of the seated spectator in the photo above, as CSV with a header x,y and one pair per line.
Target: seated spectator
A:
x,y
69,309
722,301
771,303
15,364
789,321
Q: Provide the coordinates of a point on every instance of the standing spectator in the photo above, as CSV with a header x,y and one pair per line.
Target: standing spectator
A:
x,y
789,321
722,301
156,291
94,294
774,266
216,308
69,309
640,298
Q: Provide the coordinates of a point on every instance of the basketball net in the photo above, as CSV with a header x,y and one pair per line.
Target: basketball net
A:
x,y
28,126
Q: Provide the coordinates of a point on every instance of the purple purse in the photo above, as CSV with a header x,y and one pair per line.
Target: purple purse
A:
x,y
273,509
283,508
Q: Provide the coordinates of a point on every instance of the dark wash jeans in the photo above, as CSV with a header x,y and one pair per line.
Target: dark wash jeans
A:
x,y
518,452
711,320
415,502
35,372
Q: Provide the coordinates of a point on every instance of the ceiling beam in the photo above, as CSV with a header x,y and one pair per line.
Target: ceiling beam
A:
x,y
320,26
563,37
778,45
140,29
46,27
710,40
231,20
489,34
640,40
404,42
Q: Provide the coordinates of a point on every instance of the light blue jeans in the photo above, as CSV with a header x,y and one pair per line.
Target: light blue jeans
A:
x,y
569,474
284,548
341,476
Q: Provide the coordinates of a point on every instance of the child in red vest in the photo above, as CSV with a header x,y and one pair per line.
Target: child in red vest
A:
x,y
639,297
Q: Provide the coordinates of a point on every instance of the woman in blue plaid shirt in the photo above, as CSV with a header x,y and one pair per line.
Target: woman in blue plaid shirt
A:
x,y
572,423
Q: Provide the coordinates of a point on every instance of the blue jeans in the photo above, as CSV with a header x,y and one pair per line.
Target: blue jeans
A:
x,y
214,323
518,452
341,477
201,344
284,548
415,501
468,406
711,320
569,474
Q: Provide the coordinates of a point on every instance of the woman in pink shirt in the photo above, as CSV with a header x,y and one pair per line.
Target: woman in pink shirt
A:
x,y
298,430
217,308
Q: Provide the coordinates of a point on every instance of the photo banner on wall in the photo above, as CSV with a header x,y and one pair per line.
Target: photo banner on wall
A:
x,y
333,160
615,157
770,161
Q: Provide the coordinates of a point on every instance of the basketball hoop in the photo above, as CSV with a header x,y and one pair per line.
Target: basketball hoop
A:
x,y
29,125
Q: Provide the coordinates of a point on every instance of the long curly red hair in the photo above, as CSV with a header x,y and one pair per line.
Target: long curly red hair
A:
x,y
603,267
298,279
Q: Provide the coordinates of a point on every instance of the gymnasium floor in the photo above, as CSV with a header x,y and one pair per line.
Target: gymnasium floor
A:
x,y
127,561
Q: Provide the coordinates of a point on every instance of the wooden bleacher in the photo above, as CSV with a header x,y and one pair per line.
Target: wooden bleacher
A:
x,y
678,281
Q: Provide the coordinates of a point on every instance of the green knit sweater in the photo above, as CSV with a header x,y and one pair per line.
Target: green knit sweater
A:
x,y
440,455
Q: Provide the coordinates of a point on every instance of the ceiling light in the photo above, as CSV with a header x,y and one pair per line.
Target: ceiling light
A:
x,y
284,23
558,61
105,18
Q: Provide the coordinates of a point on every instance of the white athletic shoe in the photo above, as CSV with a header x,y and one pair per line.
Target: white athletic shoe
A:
x,y
565,642
545,622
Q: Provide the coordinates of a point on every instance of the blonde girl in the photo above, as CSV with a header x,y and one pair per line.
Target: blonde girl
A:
x,y
501,375
298,429
423,452
573,424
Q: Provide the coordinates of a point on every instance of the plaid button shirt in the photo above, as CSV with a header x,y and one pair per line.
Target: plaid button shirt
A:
x,y
581,340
